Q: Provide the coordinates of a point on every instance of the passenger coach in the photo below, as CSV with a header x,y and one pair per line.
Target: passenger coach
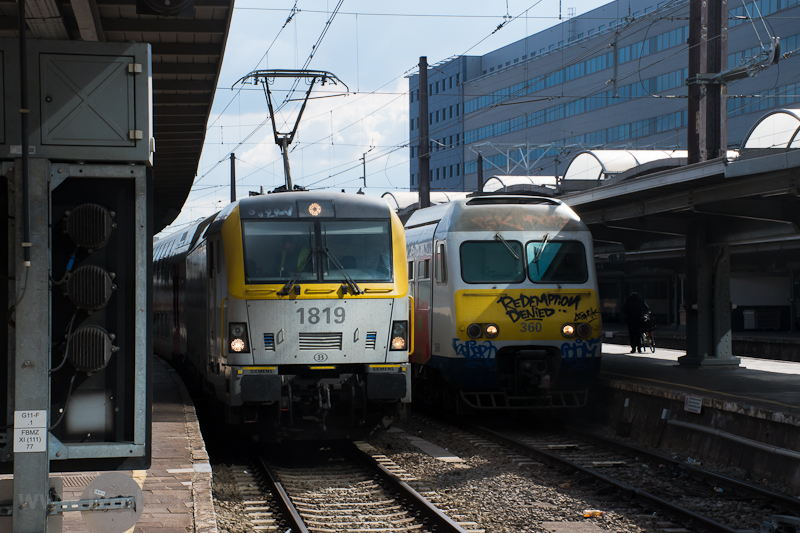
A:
x,y
506,307
292,310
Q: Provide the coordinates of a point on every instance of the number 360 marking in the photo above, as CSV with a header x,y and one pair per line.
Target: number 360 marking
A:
x,y
532,327
314,315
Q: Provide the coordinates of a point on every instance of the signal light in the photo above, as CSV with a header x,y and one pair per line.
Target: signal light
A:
x,y
584,330
492,330
568,330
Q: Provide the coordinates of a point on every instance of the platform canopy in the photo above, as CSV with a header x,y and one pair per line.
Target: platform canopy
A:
x,y
601,164
777,129
187,56
519,183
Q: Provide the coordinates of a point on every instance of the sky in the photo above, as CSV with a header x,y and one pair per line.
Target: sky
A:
x,y
371,46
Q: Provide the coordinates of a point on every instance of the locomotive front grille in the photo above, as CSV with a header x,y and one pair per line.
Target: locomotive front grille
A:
x,y
320,341
269,341
372,338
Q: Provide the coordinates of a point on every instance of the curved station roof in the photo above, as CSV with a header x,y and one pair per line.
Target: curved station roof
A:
x,y
776,129
187,56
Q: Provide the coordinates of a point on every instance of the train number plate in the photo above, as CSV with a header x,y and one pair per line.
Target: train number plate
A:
x,y
316,315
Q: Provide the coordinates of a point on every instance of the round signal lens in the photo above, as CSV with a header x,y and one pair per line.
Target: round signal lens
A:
x,y
314,209
584,330
568,330
237,345
237,330
398,343
399,329
492,331
474,331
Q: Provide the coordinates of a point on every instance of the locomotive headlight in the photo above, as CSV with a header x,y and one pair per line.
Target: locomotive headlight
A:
x,y
399,335
492,330
584,330
568,330
238,337
474,331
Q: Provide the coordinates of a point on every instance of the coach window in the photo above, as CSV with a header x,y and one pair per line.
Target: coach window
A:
x,y
423,294
441,264
497,261
424,269
557,262
411,278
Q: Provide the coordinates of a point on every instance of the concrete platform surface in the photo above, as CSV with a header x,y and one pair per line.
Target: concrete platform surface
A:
x,y
763,384
177,487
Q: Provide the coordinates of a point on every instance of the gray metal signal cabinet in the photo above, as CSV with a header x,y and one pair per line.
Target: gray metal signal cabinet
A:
x,y
88,101
78,340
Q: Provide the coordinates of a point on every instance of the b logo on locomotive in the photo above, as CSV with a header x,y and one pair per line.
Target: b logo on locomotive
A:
x,y
320,357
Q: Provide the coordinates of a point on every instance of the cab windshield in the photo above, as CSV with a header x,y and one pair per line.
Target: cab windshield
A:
x,y
556,262
492,262
362,248
276,251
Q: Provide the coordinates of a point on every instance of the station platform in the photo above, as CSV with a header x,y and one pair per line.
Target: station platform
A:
x,y
778,345
745,416
177,487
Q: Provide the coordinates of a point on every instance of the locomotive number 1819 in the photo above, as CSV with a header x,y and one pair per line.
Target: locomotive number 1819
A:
x,y
314,314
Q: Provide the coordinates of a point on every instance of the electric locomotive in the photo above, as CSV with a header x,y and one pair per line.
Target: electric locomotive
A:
x,y
506,309
292,310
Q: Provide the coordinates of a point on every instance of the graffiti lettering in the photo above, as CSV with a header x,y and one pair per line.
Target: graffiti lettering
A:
x,y
533,307
590,315
475,351
580,349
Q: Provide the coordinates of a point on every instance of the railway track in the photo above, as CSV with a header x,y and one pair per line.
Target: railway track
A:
x,y
689,495
350,490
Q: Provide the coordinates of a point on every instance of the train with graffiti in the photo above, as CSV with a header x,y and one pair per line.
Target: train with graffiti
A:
x,y
291,311
506,310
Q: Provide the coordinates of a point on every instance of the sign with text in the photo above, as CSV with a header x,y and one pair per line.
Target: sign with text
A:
x,y
693,404
30,431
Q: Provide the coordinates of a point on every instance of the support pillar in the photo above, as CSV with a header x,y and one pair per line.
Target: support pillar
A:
x,y
32,353
708,302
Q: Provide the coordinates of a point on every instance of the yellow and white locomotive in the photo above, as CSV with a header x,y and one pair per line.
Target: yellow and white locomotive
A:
x,y
292,309
506,307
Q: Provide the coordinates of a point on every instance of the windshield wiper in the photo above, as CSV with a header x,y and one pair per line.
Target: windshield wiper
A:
x,y
539,252
289,284
500,238
347,278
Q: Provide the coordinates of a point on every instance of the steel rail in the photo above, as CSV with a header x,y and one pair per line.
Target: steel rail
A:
x,y
425,509
689,517
290,513
718,479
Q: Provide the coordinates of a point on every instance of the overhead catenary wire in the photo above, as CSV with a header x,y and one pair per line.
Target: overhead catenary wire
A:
x,y
563,98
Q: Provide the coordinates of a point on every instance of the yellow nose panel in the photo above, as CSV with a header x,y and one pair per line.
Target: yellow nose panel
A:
x,y
527,314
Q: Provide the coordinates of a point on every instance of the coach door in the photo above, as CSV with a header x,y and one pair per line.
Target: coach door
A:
x,y
422,303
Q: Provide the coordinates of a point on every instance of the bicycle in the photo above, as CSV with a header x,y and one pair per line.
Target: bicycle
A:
x,y
648,340
648,327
